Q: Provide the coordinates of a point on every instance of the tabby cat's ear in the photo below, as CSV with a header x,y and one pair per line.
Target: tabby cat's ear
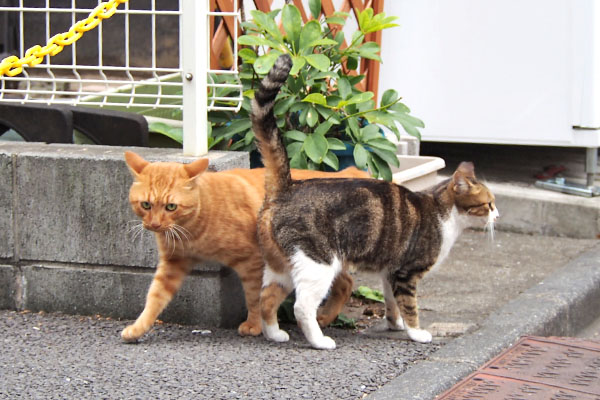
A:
x,y
196,168
463,178
467,168
135,162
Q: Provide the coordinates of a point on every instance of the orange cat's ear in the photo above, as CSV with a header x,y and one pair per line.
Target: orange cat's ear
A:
x,y
196,168
135,162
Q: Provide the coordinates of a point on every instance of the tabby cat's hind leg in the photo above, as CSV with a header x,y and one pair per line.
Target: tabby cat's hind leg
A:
x,y
312,281
338,296
167,281
392,312
276,287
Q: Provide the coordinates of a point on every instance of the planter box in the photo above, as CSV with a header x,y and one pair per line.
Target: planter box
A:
x,y
417,172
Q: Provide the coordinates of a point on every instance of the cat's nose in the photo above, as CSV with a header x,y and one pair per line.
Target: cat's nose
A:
x,y
155,225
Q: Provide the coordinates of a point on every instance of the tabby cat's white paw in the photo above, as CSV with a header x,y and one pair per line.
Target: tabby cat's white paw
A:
x,y
397,325
325,343
273,333
419,335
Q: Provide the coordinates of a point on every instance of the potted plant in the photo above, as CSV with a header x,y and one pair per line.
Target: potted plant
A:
x,y
319,110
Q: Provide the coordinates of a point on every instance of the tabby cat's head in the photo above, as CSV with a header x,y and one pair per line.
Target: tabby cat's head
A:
x,y
471,197
162,193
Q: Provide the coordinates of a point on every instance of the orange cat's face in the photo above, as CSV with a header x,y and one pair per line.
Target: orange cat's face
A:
x,y
163,194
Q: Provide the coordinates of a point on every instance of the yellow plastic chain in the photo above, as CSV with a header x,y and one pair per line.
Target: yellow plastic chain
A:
x,y
13,65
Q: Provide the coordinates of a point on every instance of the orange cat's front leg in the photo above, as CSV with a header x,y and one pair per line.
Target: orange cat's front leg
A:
x,y
341,291
251,274
167,281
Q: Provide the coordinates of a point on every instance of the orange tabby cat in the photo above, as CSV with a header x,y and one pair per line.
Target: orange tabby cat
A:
x,y
200,216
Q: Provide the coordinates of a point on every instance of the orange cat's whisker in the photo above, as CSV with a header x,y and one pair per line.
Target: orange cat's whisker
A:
x,y
136,231
180,230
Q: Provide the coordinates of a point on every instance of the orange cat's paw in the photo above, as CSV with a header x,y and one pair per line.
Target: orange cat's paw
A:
x,y
132,333
249,329
325,319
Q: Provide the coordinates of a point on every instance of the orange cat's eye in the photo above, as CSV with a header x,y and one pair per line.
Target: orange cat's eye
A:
x,y
146,205
171,207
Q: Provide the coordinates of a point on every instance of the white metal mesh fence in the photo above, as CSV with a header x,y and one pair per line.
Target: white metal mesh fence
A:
x,y
132,61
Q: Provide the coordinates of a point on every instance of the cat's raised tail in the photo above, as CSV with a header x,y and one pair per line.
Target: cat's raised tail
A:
x,y
264,125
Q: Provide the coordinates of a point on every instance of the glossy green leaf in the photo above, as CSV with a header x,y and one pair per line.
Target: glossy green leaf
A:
x,y
247,55
384,169
294,148
312,117
315,98
311,31
388,97
344,88
300,106
297,63
251,40
323,42
364,18
282,106
315,147
319,61
295,135
236,126
388,156
360,156
331,160
352,63
354,126
175,133
335,20
263,64
292,24
369,50
315,8
368,293
382,143
267,23
323,128
370,132
335,144
299,161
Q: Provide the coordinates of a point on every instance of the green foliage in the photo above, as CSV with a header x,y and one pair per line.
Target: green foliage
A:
x,y
366,292
319,109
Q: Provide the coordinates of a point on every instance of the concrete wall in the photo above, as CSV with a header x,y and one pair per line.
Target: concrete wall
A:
x,y
65,243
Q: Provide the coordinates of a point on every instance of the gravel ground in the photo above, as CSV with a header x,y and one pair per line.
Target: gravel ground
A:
x,y
69,357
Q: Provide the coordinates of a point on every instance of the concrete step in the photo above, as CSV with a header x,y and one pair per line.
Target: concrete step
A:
x,y
65,243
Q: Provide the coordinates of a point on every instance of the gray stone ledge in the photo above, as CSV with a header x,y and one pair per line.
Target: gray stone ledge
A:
x,y
65,240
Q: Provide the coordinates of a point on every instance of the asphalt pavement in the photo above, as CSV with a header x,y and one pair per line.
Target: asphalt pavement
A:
x,y
74,357
479,302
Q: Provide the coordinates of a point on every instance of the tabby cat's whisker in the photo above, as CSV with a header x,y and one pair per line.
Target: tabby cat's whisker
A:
x,y
489,227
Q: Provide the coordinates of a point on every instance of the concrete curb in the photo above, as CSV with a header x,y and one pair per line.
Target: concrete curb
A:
x,y
544,212
558,306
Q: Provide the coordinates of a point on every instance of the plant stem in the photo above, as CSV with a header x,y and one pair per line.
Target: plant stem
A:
x,y
374,109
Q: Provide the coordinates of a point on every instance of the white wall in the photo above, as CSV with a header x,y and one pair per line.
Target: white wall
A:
x,y
496,71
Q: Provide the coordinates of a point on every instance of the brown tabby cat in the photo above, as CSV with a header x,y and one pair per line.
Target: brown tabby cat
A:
x,y
312,231
198,215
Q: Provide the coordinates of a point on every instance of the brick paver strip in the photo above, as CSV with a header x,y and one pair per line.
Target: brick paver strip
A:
x,y
536,368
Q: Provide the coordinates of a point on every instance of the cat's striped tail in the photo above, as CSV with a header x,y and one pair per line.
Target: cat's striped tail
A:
x,y
264,125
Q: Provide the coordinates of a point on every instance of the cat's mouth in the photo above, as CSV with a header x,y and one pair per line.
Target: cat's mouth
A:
x,y
156,228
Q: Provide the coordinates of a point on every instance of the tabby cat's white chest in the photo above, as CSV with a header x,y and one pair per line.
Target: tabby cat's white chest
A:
x,y
452,227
